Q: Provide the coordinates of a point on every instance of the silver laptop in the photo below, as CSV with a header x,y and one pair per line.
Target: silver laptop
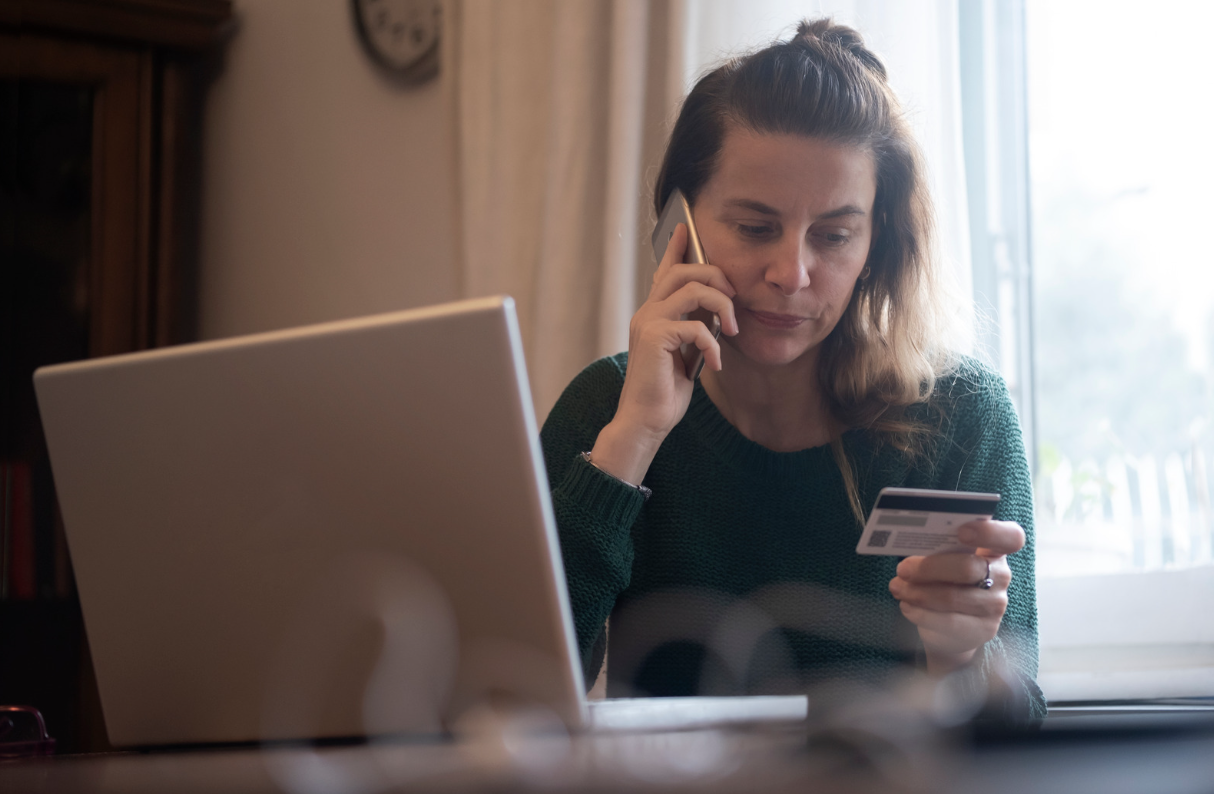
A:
x,y
338,530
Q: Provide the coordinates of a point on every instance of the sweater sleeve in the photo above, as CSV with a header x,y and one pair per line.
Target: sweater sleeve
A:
x,y
594,511
987,454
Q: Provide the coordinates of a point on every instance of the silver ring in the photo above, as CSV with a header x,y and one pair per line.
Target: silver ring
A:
x,y
986,583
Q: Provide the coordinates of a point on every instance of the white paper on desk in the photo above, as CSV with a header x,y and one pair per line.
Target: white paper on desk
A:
x,y
691,713
910,521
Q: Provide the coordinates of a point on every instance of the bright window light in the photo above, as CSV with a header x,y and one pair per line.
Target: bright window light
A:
x,y
1121,183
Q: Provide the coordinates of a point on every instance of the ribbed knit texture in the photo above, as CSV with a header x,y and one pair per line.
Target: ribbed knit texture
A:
x,y
740,574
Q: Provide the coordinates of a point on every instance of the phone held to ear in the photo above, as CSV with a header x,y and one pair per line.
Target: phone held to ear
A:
x,y
677,211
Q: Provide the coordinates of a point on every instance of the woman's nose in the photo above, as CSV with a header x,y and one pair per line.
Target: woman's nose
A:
x,y
789,271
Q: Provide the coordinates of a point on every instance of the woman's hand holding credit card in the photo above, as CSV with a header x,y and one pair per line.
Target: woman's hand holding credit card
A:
x,y
953,583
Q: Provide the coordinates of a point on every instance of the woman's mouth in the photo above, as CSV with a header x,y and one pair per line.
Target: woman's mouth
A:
x,y
778,321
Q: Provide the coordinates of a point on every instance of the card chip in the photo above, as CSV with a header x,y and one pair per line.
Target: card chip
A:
x,y
878,538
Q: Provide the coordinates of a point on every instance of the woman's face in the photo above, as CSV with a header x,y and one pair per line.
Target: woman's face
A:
x,y
789,221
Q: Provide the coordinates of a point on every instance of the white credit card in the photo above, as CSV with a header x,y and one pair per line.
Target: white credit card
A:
x,y
907,522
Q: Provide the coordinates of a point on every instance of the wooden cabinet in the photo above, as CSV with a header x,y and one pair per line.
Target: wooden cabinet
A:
x,y
100,124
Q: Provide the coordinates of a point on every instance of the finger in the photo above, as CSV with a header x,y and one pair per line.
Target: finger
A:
x,y
710,347
680,274
691,297
963,599
951,632
959,568
994,538
703,339
695,295
672,334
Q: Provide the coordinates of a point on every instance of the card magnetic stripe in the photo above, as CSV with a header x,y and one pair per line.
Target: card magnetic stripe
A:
x,y
937,504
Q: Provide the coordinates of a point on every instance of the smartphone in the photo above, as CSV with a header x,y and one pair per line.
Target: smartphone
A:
x,y
677,211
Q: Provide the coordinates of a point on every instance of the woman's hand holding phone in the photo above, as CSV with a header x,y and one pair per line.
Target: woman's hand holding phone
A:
x,y
657,389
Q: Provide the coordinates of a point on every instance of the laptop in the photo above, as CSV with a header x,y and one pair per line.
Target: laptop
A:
x,y
332,531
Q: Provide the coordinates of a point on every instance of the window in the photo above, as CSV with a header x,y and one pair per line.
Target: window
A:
x,y
1086,131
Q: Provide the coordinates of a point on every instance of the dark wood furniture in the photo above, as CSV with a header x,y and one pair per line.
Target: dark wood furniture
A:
x,y
100,124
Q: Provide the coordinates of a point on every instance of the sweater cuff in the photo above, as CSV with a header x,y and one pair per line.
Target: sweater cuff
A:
x,y
600,494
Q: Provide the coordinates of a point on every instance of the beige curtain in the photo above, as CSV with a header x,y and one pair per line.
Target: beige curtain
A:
x,y
563,107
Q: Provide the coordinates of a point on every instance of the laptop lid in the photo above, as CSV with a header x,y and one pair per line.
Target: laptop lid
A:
x,y
337,530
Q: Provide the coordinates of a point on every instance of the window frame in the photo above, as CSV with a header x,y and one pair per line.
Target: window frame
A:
x,y
994,117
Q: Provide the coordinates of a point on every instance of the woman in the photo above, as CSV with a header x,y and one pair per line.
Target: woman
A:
x,y
732,568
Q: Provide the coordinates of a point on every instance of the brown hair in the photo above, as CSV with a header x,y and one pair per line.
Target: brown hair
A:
x,y
885,353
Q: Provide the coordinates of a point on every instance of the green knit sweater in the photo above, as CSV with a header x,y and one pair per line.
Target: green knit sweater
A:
x,y
740,575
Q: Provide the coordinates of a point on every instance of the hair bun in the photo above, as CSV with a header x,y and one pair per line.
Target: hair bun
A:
x,y
848,39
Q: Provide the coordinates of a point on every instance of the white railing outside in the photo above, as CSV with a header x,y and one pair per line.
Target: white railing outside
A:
x,y
1123,514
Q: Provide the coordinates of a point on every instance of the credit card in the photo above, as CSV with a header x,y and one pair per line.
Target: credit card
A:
x,y
910,521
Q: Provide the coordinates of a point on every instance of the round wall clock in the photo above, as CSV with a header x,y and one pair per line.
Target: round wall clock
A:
x,y
401,36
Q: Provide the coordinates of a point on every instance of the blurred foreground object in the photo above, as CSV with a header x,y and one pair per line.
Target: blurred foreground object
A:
x,y
23,733
525,753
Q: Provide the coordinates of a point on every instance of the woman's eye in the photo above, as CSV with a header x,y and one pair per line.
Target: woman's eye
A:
x,y
754,231
833,238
